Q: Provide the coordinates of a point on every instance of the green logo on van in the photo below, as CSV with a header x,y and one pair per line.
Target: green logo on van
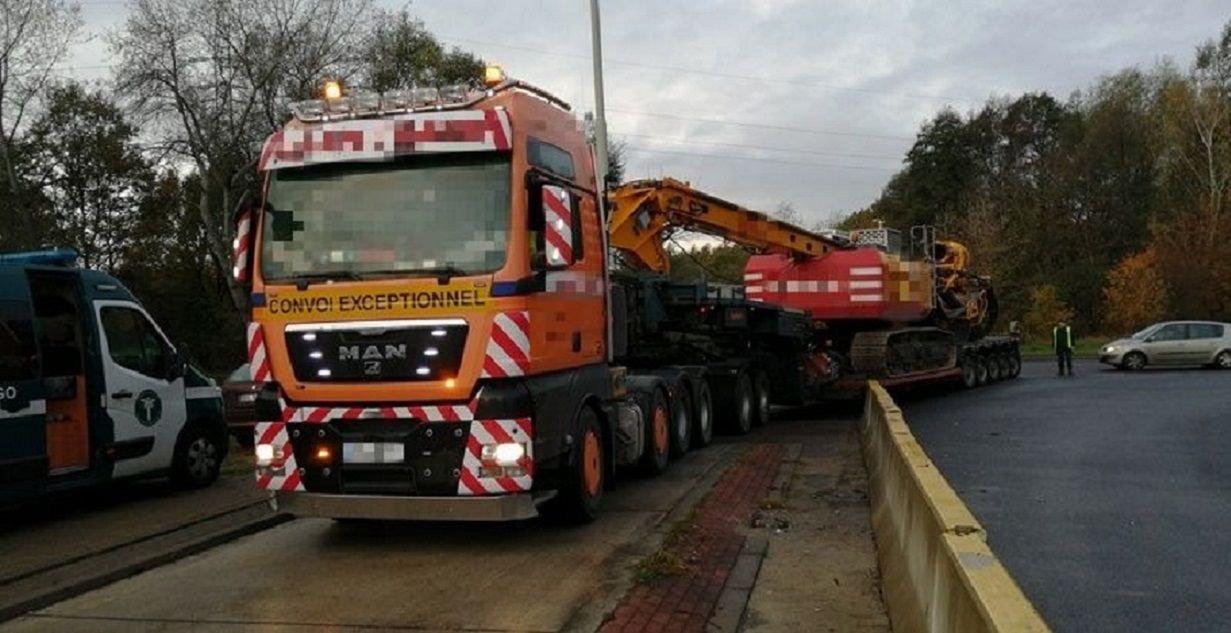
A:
x,y
148,408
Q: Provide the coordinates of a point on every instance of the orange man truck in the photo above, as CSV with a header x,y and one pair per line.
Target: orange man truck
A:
x,y
442,330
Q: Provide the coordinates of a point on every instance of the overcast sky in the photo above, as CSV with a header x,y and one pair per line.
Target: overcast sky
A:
x,y
812,102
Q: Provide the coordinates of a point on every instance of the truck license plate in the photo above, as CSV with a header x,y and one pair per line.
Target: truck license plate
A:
x,y
373,453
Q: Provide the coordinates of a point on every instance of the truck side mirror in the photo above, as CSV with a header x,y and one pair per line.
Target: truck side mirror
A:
x,y
557,208
241,259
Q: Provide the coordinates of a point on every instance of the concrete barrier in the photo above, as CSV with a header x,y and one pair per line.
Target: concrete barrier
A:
x,y
937,571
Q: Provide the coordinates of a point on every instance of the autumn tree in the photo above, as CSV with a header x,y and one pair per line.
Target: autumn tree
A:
x,y
402,53
1045,311
1135,294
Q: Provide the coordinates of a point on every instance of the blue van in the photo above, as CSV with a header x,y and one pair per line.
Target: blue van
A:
x,y
90,389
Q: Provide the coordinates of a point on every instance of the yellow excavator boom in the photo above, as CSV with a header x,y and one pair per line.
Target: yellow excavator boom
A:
x,y
646,212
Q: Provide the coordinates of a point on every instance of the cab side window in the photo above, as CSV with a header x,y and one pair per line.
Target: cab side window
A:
x,y
134,343
18,353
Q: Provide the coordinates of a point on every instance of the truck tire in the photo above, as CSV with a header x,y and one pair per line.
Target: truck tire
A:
x,y
703,415
1006,365
993,367
657,435
970,372
734,407
1015,364
198,456
981,372
581,485
760,398
681,423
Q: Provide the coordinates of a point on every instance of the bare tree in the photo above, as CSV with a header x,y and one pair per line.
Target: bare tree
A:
x,y
34,37
216,77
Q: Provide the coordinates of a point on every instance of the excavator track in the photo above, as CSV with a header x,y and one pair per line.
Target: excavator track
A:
x,y
901,352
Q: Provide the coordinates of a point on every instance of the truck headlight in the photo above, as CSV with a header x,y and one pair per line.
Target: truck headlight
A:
x,y
264,454
508,454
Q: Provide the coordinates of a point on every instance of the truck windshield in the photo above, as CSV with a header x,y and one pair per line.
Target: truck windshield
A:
x,y
443,214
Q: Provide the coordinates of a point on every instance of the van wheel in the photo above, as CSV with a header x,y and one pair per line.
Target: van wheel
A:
x,y
1223,360
657,435
1134,360
737,406
197,459
681,436
703,416
760,394
581,486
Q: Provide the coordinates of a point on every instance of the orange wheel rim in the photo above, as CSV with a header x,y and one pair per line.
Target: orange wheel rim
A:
x,y
660,429
592,460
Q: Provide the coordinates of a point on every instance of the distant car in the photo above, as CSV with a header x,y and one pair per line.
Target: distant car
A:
x,y
239,404
1172,343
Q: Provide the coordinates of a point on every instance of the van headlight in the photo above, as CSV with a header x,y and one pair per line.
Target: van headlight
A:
x,y
1109,349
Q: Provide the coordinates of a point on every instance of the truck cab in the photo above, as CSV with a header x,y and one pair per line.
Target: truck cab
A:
x,y
90,388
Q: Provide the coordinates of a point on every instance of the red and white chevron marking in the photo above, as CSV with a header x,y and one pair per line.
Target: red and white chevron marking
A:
x,y
558,229
492,432
388,138
426,413
243,230
258,358
283,473
508,349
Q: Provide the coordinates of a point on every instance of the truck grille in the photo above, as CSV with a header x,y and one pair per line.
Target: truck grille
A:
x,y
386,351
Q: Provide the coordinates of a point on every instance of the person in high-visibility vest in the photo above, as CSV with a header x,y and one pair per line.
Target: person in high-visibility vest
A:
x,y
1062,342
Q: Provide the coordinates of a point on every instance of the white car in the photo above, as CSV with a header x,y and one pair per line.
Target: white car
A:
x,y
1172,343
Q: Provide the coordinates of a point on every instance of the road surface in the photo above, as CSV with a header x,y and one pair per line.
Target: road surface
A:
x,y
1107,495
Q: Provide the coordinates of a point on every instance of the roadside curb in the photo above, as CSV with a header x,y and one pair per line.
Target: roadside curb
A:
x,y
87,573
937,570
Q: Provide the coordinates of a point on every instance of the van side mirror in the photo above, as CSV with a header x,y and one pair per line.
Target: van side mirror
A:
x,y
178,367
554,212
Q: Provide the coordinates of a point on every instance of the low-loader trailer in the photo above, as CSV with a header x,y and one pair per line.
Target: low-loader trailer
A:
x,y
453,320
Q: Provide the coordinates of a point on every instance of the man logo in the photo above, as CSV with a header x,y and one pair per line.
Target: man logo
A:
x,y
371,352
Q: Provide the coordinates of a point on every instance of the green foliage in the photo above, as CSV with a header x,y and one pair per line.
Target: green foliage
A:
x,y
402,53
721,264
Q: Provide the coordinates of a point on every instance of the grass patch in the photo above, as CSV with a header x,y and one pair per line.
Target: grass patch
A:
x,y
239,459
1084,347
666,560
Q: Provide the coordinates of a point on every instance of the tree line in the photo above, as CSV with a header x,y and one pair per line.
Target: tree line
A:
x,y
141,176
1109,208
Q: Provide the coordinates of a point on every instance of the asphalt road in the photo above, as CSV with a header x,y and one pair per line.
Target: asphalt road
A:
x,y
1107,495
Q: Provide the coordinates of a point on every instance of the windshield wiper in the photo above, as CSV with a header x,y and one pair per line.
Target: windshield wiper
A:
x,y
442,273
303,280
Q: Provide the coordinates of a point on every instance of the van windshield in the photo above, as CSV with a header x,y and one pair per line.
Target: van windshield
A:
x,y
1146,332
424,214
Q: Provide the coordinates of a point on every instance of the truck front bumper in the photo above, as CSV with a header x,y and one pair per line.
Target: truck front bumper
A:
x,y
511,507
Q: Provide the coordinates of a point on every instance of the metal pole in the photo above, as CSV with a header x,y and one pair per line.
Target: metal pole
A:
x,y
600,112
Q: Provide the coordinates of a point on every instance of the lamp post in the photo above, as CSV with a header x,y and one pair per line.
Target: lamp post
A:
x,y
600,112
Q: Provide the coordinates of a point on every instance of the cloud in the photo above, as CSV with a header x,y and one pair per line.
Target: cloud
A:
x,y
827,95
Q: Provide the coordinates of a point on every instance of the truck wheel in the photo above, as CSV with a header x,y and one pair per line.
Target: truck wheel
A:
x,y
681,425
197,458
970,373
981,372
736,406
1134,360
657,451
993,368
1015,365
1006,365
760,395
581,487
703,416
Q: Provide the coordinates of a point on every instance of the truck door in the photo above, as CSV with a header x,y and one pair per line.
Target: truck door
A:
x,y
23,439
143,397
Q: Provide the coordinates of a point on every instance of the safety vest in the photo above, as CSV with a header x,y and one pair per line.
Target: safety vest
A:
x,y
1068,338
